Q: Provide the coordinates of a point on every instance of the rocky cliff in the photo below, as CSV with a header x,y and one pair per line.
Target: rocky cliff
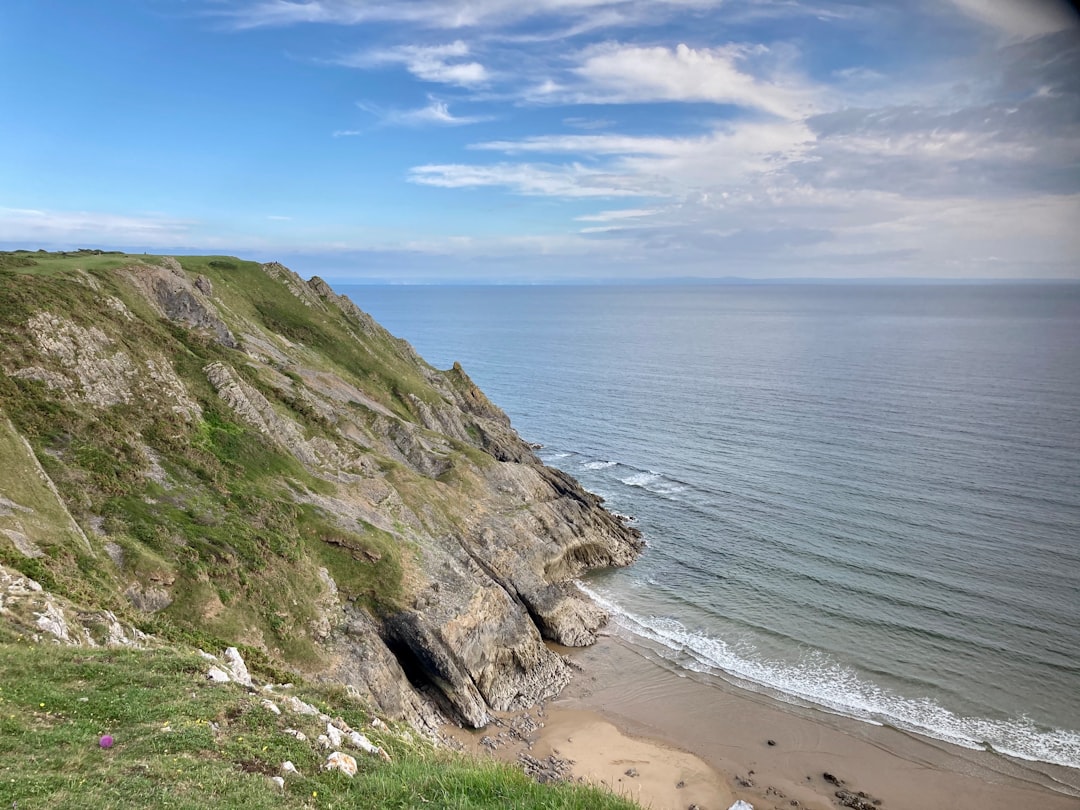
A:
x,y
214,448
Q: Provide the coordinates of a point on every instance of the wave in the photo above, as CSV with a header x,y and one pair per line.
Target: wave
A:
x,y
598,465
820,681
654,482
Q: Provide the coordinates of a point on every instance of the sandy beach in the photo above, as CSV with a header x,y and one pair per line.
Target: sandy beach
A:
x,y
671,742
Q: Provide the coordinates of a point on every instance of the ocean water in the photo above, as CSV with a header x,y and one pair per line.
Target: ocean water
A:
x,y
862,498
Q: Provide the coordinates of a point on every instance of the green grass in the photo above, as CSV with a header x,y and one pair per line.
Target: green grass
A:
x,y
182,743
39,262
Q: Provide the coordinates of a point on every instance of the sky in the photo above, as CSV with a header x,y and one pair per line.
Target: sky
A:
x,y
550,140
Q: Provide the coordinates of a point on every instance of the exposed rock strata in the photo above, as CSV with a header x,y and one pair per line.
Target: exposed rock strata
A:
x,y
490,538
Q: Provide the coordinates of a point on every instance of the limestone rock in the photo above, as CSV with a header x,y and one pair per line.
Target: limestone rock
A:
x,y
147,598
334,735
235,662
217,675
170,291
341,762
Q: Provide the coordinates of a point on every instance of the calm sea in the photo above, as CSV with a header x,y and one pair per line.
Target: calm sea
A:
x,y
865,498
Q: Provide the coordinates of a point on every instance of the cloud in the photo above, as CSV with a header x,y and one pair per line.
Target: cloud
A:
x,y
618,215
435,113
1021,20
33,227
567,181
430,63
581,122
456,14
617,73
725,159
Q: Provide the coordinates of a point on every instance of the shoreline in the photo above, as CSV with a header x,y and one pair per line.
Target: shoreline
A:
x,y
634,723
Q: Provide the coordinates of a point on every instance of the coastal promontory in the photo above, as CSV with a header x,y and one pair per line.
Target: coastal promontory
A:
x,y
219,452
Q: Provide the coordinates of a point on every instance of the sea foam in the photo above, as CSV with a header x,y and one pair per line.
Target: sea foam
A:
x,y
817,680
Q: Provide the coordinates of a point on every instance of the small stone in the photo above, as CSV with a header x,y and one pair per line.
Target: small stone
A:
x,y
770,742
741,805
341,762
270,706
217,675
631,772
288,768
323,741
680,785
279,781
334,735
292,732
294,703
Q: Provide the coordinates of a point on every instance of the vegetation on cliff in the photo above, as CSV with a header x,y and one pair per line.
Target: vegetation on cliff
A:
x,y
214,452
181,743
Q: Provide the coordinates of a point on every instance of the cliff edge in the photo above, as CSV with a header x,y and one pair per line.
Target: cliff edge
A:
x,y
217,449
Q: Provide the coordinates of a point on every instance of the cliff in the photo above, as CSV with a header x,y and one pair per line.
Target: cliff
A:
x,y
217,450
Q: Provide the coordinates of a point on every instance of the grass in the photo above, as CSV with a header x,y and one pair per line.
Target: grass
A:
x,y
182,743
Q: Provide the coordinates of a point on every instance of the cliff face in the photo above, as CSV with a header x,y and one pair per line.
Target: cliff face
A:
x,y
219,448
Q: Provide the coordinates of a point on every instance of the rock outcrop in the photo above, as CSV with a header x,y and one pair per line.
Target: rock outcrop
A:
x,y
312,487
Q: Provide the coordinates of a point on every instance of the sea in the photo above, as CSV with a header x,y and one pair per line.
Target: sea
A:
x,y
863,498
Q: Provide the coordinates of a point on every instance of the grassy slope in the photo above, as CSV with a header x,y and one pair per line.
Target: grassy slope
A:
x,y
228,530
56,702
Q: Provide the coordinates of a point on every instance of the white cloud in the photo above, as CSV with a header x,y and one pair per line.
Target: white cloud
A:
x,y
1021,19
618,214
435,113
430,63
725,159
455,14
617,73
569,181
34,227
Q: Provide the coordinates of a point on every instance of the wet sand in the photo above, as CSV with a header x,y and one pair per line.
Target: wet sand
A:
x,y
625,711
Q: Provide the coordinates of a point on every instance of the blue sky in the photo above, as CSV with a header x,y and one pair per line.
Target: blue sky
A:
x,y
445,140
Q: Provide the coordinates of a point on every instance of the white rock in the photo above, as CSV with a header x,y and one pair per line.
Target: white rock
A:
x,y
279,781
236,664
377,723
292,732
741,805
364,744
333,735
300,707
270,706
323,741
342,762
208,656
216,675
288,768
